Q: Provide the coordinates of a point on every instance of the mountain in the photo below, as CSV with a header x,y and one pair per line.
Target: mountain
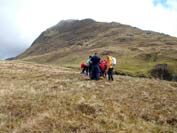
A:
x,y
71,41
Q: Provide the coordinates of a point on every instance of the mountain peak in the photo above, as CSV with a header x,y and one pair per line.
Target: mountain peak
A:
x,y
71,24
71,21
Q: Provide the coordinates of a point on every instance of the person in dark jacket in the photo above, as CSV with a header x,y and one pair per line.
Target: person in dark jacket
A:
x,y
95,60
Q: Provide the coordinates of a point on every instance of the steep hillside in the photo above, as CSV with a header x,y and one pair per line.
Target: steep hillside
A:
x,y
46,98
71,41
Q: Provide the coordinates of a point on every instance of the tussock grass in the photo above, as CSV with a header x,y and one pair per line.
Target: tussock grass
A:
x,y
46,98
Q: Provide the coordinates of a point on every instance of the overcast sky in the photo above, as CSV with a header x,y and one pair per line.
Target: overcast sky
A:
x,y
21,21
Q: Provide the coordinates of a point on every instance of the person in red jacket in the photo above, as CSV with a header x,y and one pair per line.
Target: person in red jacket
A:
x,y
103,67
84,68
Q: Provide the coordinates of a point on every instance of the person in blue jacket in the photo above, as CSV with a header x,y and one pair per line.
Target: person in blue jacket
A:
x,y
95,73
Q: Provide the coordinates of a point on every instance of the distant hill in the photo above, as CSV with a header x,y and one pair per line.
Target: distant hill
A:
x,y
71,41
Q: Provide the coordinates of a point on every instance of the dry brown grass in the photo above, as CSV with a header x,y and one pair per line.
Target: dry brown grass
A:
x,y
50,99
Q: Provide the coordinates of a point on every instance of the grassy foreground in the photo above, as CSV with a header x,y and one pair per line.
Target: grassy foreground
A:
x,y
51,99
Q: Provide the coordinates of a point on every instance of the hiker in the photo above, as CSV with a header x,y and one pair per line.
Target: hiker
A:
x,y
84,68
95,69
103,67
89,65
110,68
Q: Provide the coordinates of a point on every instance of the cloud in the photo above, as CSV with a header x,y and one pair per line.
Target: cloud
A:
x,y
8,51
169,4
11,42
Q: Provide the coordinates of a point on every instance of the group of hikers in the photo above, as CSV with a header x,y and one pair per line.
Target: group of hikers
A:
x,y
95,68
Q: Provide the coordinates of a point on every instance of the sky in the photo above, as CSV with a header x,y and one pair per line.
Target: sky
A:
x,y
22,21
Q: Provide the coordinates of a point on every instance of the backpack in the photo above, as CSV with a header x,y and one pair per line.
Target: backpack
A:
x,y
114,61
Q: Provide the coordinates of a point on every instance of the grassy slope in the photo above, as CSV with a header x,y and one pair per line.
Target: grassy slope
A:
x,y
46,98
132,60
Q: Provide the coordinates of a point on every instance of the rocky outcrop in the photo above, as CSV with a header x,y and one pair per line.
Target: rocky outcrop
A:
x,y
162,71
